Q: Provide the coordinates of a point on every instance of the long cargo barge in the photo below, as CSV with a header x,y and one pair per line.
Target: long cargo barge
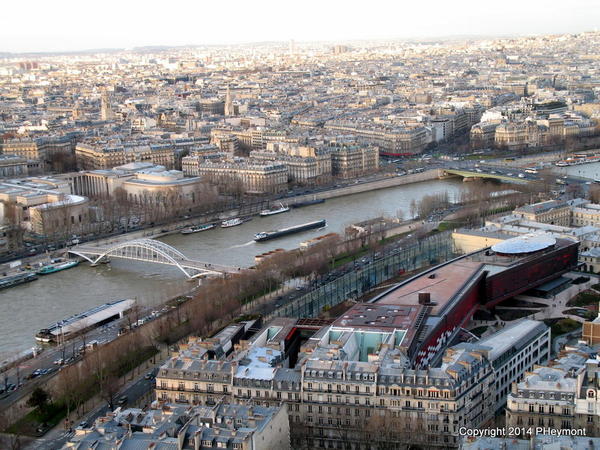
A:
x,y
308,203
15,280
84,321
267,235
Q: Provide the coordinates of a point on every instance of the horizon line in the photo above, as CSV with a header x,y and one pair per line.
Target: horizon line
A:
x,y
445,37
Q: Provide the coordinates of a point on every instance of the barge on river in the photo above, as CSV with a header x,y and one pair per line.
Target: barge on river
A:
x,y
80,323
267,235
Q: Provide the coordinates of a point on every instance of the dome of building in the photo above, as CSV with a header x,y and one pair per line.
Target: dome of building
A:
x,y
528,243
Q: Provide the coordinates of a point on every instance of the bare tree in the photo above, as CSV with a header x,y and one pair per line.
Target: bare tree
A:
x,y
13,220
102,367
413,208
70,389
431,203
61,162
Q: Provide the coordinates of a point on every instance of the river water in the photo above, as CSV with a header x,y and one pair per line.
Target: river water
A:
x,y
27,308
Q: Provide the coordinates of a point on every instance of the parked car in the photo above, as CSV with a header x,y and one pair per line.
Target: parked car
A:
x,y
42,429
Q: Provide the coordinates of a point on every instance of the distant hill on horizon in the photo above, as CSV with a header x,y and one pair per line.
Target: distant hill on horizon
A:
x,y
160,48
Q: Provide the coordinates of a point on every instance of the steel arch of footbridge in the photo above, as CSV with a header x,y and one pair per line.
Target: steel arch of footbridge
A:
x,y
147,250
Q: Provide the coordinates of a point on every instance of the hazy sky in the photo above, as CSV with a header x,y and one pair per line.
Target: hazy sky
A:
x,y
41,25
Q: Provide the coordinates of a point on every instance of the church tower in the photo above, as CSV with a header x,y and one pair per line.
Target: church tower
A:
x,y
106,112
76,111
229,111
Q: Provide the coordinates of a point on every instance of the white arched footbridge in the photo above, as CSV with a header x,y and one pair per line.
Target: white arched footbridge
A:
x,y
149,250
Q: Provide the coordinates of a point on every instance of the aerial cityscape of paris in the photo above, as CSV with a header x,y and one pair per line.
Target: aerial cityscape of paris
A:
x,y
316,225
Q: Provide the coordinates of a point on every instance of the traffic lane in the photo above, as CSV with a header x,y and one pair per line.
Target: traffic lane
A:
x,y
51,444
140,389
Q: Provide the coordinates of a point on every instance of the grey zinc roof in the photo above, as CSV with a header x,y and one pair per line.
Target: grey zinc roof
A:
x,y
548,379
287,375
143,442
516,335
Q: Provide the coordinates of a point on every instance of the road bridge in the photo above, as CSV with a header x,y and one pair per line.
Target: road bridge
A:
x,y
473,173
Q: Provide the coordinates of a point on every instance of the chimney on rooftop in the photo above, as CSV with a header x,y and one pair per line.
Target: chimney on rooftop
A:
x,y
424,298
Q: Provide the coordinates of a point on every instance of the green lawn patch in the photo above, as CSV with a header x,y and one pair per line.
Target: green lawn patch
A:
x,y
585,298
345,258
564,326
444,226
29,423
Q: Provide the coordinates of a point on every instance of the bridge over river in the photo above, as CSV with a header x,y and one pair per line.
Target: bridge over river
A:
x,y
513,174
488,172
152,251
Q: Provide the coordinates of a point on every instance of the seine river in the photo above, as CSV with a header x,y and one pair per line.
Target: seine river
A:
x,y
27,308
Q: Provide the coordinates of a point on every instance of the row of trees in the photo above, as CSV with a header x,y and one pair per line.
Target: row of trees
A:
x,y
429,204
101,369
99,372
125,210
13,221
479,199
